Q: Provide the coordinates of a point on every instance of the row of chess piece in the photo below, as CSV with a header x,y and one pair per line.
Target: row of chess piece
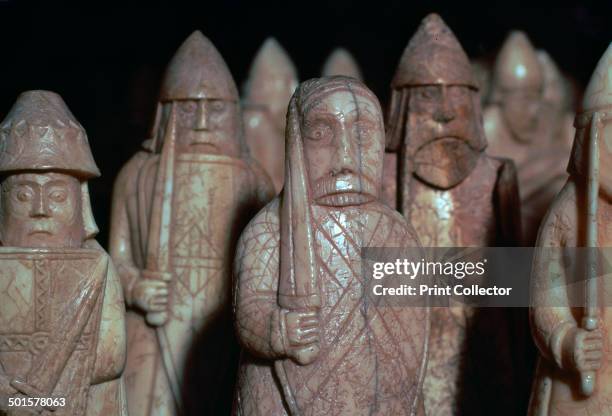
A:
x,y
244,224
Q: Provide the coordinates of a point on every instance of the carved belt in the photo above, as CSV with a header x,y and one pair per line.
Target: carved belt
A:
x,y
34,343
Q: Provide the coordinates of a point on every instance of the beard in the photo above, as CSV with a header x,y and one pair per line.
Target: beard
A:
x,y
42,233
445,162
344,190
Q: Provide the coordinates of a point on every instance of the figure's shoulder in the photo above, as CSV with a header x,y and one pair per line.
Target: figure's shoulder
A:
x,y
567,199
561,221
93,244
264,225
258,178
502,165
129,171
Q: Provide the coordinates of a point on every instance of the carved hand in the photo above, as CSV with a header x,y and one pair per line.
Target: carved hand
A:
x,y
150,295
584,348
302,335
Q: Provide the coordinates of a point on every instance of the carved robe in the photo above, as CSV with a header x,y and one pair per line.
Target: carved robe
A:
x,y
59,331
469,346
554,392
541,168
213,198
372,358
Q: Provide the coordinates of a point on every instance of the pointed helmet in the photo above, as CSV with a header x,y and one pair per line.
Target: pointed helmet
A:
x,y
597,98
40,133
434,56
517,64
555,89
341,62
197,71
273,65
598,94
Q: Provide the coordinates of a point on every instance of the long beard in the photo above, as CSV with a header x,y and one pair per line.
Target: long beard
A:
x,y
444,162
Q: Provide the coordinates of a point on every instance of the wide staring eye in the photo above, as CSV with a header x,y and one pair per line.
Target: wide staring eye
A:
x,y
24,195
217,105
188,107
458,91
58,195
426,93
319,131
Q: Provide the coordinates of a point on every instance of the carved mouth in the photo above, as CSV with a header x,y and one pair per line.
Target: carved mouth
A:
x,y
441,139
40,232
343,199
200,142
343,190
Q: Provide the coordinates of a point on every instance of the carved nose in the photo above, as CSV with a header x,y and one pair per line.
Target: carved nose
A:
x,y
444,116
202,122
344,160
39,207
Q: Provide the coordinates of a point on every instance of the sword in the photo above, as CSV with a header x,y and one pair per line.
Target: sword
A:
x,y
158,247
298,286
591,312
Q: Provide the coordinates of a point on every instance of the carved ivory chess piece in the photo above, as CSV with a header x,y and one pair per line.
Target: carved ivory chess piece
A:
x,y
454,195
178,208
558,119
574,375
513,125
482,73
62,318
341,62
272,80
315,343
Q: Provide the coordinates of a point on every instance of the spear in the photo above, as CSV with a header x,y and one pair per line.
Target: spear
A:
x,y
591,312
158,246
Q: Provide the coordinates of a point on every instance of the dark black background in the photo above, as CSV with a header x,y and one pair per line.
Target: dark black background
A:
x,y
106,59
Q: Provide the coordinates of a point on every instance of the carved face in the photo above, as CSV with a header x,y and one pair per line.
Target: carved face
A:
x,y
343,146
41,210
207,126
521,110
443,133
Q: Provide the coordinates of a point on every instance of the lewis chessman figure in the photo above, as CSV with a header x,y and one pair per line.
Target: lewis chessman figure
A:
x,y
272,80
341,62
516,127
574,375
315,342
178,208
62,314
454,195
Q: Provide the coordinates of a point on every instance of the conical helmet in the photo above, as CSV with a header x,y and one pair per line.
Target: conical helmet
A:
x,y
517,64
434,56
197,71
597,97
341,62
555,90
598,94
40,133
272,66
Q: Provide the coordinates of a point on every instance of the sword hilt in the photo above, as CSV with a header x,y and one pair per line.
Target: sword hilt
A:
x,y
587,378
157,318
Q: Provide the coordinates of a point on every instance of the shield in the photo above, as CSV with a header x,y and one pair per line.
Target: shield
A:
x,y
44,294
